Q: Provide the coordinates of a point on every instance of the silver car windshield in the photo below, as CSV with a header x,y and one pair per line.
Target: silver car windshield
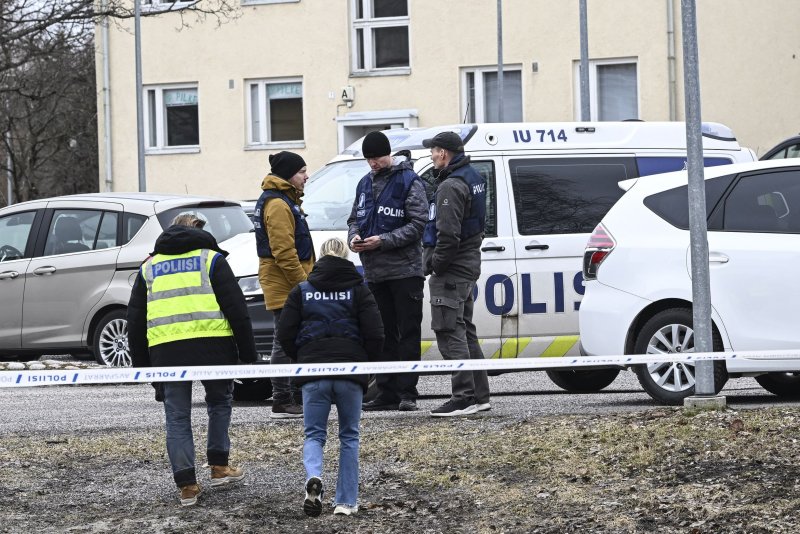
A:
x,y
223,221
329,194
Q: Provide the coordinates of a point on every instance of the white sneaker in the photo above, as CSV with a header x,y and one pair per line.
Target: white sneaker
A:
x,y
345,509
484,407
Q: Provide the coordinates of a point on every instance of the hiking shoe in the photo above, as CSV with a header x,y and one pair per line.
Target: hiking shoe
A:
x,y
286,411
345,509
407,405
379,405
225,474
483,406
455,407
189,494
312,506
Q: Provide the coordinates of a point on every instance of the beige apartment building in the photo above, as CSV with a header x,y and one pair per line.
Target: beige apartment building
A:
x,y
312,76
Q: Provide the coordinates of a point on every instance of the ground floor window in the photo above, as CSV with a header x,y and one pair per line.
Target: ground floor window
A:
x,y
171,117
481,94
274,111
613,90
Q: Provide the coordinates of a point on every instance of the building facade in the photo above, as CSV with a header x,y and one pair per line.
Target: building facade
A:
x,y
312,76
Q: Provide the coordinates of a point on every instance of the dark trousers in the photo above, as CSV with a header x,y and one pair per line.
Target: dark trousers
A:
x,y
284,390
400,304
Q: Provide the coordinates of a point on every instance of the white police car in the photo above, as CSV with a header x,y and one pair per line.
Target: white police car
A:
x,y
549,184
638,288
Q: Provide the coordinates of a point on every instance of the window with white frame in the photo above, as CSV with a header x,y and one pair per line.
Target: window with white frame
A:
x,y
171,120
613,89
380,38
275,111
166,4
480,94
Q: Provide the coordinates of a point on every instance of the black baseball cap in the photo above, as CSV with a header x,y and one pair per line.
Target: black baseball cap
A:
x,y
448,140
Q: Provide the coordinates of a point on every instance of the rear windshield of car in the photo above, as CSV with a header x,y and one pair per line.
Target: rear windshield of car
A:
x,y
223,221
330,192
672,205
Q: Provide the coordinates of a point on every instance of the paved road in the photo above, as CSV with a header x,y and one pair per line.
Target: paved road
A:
x,y
61,409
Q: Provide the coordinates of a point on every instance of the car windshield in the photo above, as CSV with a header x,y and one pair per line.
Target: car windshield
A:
x,y
329,194
223,220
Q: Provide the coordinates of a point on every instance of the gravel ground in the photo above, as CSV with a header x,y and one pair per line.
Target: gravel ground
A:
x,y
91,459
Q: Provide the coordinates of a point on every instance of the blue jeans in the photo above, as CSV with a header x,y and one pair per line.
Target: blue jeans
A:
x,y
317,399
178,411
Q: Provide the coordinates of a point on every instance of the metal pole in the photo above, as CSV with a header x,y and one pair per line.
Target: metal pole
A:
x,y
139,104
673,89
586,114
500,81
10,162
701,284
106,103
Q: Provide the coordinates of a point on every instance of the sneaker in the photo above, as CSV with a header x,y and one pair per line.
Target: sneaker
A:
x,y
225,474
455,407
312,506
483,406
286,411
407,405
345,509
379,405
189,494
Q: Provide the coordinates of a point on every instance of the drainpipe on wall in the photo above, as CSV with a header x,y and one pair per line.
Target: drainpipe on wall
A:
x,y
673,87
106,102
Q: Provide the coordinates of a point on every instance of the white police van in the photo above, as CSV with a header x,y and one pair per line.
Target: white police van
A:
x,y
549,184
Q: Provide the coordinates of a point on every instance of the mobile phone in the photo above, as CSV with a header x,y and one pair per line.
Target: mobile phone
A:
x,y
358,241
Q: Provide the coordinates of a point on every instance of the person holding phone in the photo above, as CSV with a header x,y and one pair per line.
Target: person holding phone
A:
x,y
385,228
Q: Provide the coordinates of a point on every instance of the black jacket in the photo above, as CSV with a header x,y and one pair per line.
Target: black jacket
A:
x,y
200,351
334,274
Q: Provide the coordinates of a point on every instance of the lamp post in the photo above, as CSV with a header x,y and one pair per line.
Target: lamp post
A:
x,y
137,12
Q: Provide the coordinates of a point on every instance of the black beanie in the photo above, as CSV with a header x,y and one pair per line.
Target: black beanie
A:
x,y
375,145
286,164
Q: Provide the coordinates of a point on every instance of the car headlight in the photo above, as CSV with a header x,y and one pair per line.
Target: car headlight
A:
x,y
250,285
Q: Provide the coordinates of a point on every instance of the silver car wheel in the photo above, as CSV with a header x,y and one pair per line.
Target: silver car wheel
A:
x,y
113,344
672,376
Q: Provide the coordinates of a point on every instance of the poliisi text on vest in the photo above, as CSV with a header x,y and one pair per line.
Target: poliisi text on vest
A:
x,y
328,295
177,265
391,212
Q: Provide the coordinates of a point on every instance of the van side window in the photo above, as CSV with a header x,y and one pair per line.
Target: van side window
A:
x,y
131,224
766,202
15,231
566,195
486,169
672,205
80,230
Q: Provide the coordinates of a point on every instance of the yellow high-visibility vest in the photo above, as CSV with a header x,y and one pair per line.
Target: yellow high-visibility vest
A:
x,y
180,300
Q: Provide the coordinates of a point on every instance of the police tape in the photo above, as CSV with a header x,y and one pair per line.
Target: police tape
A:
x,y
119,375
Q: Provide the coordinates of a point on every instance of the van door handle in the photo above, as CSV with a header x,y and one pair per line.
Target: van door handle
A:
x,y
717,257
8,275
493,248
537,247
44,270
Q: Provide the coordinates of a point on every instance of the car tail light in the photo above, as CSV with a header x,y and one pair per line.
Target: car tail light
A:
x,y
600,245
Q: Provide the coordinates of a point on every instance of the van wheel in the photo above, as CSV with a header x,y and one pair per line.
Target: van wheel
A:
x,y
110,345
583,381
786,385
670,331
252,389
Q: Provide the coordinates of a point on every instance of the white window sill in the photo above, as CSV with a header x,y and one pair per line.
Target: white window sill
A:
x,y
276,146
172,150
401,71
177,6
246,3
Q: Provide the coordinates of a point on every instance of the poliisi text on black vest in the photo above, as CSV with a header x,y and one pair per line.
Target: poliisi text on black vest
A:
x,y
391,212
328,295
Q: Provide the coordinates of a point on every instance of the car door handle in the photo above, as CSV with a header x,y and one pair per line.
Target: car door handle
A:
x,y
717,257
537,247
40,271
8,275
493,248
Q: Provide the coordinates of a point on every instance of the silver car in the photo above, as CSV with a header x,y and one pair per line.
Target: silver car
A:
x,y
67,265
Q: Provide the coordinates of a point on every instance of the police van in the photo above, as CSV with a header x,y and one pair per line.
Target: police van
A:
x,y
549,184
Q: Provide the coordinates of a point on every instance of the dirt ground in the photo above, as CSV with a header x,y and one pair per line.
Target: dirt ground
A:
x,y
660,470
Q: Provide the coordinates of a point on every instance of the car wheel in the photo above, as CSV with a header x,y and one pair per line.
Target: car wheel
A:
x,y
670,331
583,381
110,345
252,389
781,384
